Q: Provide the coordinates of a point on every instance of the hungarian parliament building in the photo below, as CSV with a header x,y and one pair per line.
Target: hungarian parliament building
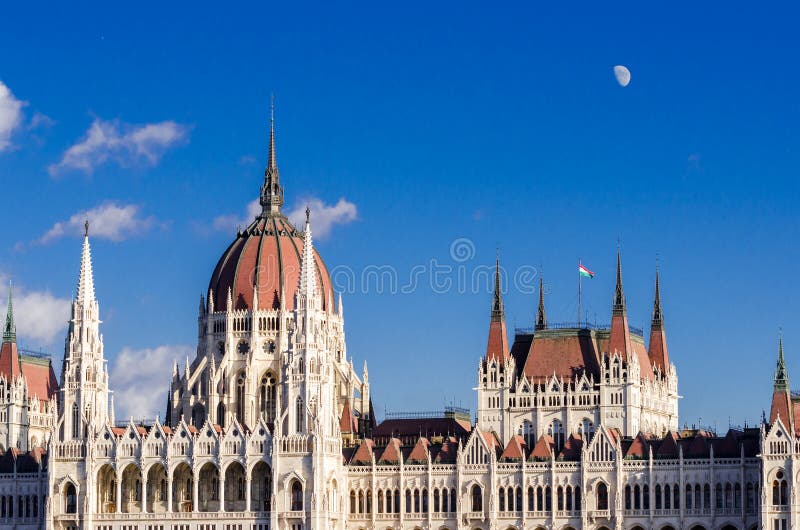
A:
x,y
271,427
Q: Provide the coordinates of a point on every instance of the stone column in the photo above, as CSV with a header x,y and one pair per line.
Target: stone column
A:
x,y
169,493
248,494
119,494
195,493
222,494
144,495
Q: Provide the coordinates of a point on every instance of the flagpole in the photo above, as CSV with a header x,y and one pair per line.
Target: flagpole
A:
x,y
579,292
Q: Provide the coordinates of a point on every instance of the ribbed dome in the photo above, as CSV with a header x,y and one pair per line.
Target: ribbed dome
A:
x,y
266,256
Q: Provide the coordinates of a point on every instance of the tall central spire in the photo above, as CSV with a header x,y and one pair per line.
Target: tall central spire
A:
x,y
271,191
10,329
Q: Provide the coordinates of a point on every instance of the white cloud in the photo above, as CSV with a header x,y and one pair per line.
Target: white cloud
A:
x,y
224,223
122,143
41,317
10,115
108,221
323,216
140,380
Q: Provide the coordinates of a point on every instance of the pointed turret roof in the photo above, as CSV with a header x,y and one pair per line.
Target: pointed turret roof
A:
x,y
497,345
543,450
515,450
85,294
308,271
620,337
271,191
9,356
419,455
348,423
541,317
657,349
781,398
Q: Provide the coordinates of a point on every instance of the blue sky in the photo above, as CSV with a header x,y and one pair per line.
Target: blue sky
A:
x,y
501,125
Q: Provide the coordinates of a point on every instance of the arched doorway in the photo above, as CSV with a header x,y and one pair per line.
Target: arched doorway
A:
x,y
131,489
208,488
235,493
182,488
156,489
106,489
261,487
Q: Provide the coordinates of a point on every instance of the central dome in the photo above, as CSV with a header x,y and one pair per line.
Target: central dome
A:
x,y
266,256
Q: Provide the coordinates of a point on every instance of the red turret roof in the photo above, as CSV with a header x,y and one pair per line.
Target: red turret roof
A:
x,y
515,450
348,423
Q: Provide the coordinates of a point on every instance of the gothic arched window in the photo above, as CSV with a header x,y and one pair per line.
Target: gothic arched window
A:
x,y
71,499
602,496
299,413
76,421
477,499
267,396
221,414
240,403
297,496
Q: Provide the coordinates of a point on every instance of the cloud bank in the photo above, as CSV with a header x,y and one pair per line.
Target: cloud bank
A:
x,y
41,317
10,116
121,143
135,370
109,220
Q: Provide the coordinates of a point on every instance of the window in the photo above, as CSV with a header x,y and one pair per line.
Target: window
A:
x,y
76,422
297,496
221,414
71,498
240,402
267,396
779,490
299,413
477,499
602,496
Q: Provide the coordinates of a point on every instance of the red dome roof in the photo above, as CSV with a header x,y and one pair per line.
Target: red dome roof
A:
x,y
267,256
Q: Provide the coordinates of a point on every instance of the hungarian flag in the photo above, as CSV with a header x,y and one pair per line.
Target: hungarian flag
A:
x,y
583,271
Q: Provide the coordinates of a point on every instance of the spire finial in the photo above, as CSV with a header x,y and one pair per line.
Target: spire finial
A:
x,y
781,377
497,302
10,329
271,191
658,315
308,273
86,228
308,214
541,317
619,292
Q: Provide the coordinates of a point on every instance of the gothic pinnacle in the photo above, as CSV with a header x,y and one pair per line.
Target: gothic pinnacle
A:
x,y
10,329
619,292
271,198
541,317
497,301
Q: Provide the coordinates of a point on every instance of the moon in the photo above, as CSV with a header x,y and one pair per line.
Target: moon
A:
x,y
622,74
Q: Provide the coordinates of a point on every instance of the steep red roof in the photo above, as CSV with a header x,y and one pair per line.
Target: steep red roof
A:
x,y
515,450
497,346
657,352
564,352
419,454
40,377
543,450
348,423
391,454
572,448
638,447
363,454
9,360
781,406
668,447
